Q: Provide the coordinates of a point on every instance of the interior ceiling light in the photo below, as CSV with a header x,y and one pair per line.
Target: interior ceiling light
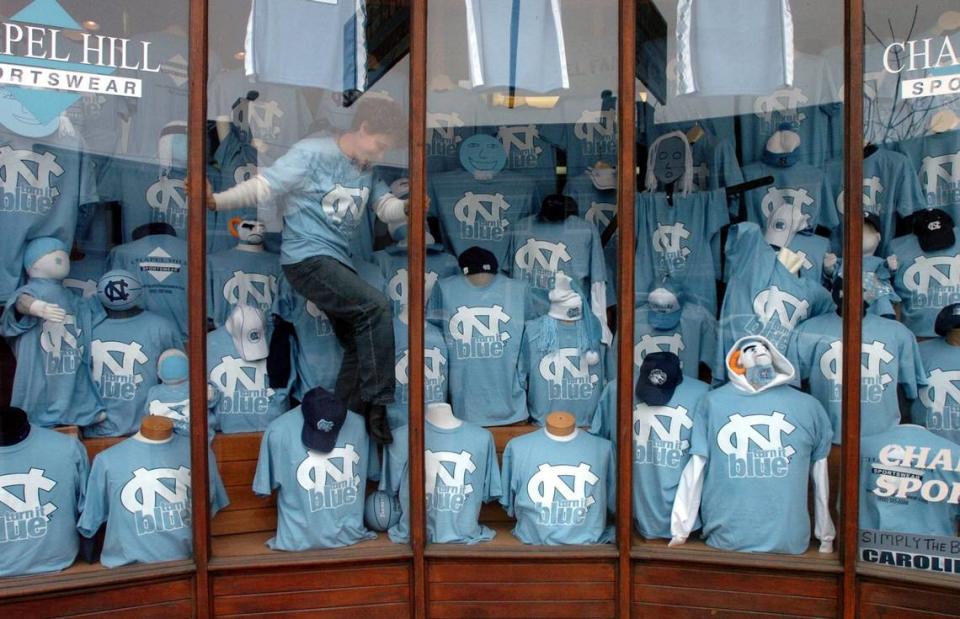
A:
x,y
91,25
240,55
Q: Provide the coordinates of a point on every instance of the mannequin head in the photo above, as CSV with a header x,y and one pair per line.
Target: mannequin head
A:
x,y
46,258
784,222
669,163
757,363
246,326
173,367
782,148
250,232
482,155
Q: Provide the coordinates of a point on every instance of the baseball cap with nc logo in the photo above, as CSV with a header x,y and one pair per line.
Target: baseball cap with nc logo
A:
x,y
323,416
658,378
934,229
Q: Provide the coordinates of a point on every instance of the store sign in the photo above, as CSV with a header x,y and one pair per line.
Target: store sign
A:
x,y
934,58
931,553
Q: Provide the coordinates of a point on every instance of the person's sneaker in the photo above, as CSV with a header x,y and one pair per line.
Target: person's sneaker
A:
x,y
377,426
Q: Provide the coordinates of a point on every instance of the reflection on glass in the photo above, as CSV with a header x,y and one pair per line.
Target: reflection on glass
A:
x,y
909,399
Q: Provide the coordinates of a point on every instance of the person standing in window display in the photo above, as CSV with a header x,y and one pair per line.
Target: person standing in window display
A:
x,y
322,186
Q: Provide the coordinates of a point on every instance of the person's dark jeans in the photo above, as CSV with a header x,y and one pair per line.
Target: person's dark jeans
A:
x,y
362,320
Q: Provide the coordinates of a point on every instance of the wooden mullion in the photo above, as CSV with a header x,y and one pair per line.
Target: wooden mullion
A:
x,y
852,298
197,304
415,271
626,190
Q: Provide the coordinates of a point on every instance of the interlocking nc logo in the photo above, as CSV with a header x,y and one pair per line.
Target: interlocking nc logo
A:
x,y
668,239
397,286
740,431
677,418
342,202
656,343
522,138
775,196
32,483
250,289
566,363
233,372
944,168
484,320
600,214
437,463
445,126
872,188
116,290
139,495
875,354
788,309
120,358
549,480
324,328
244,173
489,207
544,254
313,472
167,194
943,270
179,412
32,168
595,125
433,362
53,335
780,101
940,386
265,118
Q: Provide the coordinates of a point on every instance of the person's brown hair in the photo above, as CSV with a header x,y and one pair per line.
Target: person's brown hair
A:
x,y
382,114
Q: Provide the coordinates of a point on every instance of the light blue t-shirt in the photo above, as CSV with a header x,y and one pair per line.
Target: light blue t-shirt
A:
x,y
889,358
461,475
934,158
434,370
393,264
559,375
324,196
531,151
173,402
559,491
247,402
85,273
592,137
142,492
811,248
888,501
321,495
759,449
597,207
800,185
234,161
693,339
52,383
938,404
483,327
661,449
239,277
150,193
123,363
540,248
925,281
43,479
786,105
160,260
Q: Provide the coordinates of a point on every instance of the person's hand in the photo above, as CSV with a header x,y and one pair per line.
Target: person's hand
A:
x,y
48,311
893,263
208,196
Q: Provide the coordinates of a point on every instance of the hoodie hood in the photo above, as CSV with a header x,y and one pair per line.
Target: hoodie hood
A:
x,y
782,367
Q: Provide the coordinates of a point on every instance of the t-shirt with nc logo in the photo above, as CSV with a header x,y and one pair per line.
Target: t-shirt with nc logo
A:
x,y
759,448
693,339
142,492
42,482
123,364
461,475
173,402
239,277
52,382
321,495
393,265
935,159
938,404
434,370
483,327
324,195
925,281
661,449
559,491
247,401
799,185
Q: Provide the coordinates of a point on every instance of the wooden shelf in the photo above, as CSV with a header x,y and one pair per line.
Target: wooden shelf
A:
x,y
505,545
84,576
247,550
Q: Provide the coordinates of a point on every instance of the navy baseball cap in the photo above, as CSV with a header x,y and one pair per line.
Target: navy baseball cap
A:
x,y
659,376
933,228
477,260
947,320
323,416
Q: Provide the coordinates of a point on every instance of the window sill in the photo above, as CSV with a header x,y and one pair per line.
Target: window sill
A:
x,y
86,576
506,546
908,576
695,551
249,550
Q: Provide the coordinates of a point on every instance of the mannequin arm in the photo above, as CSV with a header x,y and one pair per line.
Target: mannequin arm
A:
x,y
686,505
823,528
30,306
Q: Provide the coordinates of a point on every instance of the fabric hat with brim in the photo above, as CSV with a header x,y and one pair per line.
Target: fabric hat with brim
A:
x,y
323,416
947,320
477,260
658,378
933,229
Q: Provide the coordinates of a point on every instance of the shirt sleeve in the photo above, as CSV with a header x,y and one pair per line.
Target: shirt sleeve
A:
x,y
507,484
82,463
912,372
264,480
218,493
491,483
823,432
699,442
908,194
289,171
95,504
394,465
604,416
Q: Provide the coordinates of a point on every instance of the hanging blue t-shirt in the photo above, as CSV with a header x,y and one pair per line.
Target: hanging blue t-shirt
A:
x,y
540,248
661,449
85,273
461,475
52,383
811,248
393,262
445,131
889,357
558,374
324,196
799,185
936,160
891,463
321,495
680,241
591,138
759,449
481,212
938,405
142,492
234,161
173,402
559,491
43,478
483,327
925,281
434,370
693,339
150,193
247,402
531,151
787,105
161,262
239,277
123,363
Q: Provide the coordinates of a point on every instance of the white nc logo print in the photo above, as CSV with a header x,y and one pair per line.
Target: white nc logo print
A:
x,y
941,385
543,254
933,170
449,469
788,309
488,207
433,362
341,203
775,196
140,494
330,486
522,138
872,188
600,214
26,179
656,343
444,126
595,125
472,322
668,240
264,118
873,380
31,484
678,419
571,506
397,286
253,289
780,101
53,335
167,198
121,361
944,270
566,363
769,458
